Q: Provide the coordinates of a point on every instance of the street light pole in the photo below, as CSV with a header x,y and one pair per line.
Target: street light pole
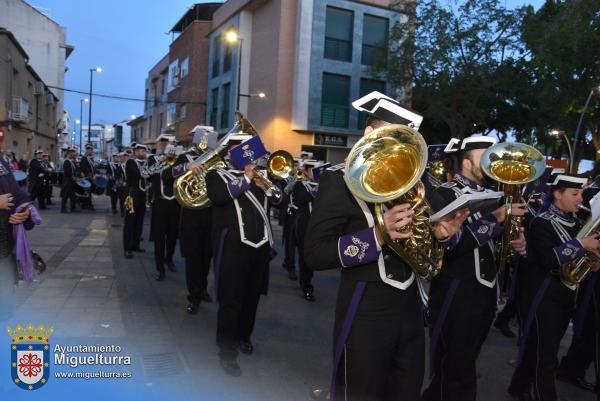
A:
x,y
570,149
81,101
239,75
587,103
92,70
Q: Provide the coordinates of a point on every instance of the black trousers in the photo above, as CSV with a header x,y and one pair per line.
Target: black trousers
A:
x,y
383,357
196,247
461,337
37,191
578,358
134,222
165,215
549,324
68,192
297,238
241,276
289,259
48,191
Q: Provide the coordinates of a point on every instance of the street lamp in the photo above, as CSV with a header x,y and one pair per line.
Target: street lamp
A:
x,y
92,71
595,89
81,101
133,116
261,95
233,37
556,132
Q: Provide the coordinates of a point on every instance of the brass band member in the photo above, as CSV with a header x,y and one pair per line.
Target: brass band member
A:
x,y
88,170
195,226
462,299
111,187
70,175
379,344
37,172
549,301
165,214
136,204
302,195
243,239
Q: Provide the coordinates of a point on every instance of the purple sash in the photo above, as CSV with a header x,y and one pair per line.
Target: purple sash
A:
x,y
437,329
218,259
350,313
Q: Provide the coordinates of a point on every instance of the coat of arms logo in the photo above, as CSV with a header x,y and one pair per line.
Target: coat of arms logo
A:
x,y
30,355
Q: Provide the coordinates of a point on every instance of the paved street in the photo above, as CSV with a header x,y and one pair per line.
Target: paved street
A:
x,y
91,295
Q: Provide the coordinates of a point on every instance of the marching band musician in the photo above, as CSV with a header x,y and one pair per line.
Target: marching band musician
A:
x,y
462,299
121,180
135,171
195,226
379,339
111,187
69,181
47,181
165,216
586,328
88,170
287,208
37,172
548,299
243,239
302,195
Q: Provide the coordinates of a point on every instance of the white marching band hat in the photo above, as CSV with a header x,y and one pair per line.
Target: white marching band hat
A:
x,y
387,109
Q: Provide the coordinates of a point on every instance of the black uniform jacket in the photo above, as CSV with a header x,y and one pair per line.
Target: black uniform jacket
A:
x,y
340,234
87,166
238,206
473,256
69,172
135,182
36,171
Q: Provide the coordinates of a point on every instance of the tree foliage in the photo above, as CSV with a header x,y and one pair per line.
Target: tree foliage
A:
x,y
477,67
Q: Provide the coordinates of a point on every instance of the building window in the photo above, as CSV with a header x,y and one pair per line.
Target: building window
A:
x,y
160,123
216,56
368,86
173,75
185,66
227,57
375,37
225,105
338,34
214,104
162,87
335,100
182,112
150,125
171,113
146,99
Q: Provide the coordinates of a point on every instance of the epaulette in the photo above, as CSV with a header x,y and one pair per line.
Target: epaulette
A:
x,y
336,167
449,184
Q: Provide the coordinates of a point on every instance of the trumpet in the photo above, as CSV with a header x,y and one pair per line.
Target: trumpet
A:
x,y
299,175
279,165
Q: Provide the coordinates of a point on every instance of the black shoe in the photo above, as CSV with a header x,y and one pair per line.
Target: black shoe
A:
x,y
192,308
231,367
504,328
75,210
320,393
520,396
114,211
577,382
246,347
206,297
309,296
138,249
292,275
128,255
64,211
159,276
171,266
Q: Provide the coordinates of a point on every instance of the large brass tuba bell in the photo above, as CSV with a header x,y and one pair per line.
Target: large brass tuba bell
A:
x,y
385,167
512,164
190,189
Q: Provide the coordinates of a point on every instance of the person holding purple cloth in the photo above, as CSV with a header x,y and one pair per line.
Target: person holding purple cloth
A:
x,y
16,215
